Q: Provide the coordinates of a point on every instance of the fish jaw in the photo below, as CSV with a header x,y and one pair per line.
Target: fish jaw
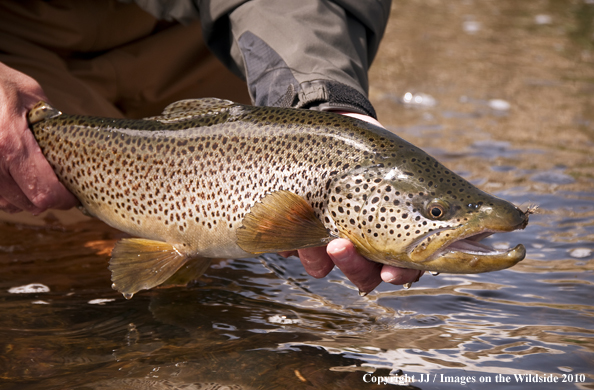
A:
x,y
466,254
467,260
454,255
459,250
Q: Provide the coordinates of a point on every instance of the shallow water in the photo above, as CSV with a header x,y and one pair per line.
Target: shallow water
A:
x,y
498,91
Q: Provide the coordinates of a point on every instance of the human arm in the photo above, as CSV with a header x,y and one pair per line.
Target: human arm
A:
x,y
306,54
27,182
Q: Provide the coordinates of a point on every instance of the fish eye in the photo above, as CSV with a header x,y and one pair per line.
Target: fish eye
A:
x,y
436,210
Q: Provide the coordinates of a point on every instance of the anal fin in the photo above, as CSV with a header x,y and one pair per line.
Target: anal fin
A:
x,y
139,264
282,221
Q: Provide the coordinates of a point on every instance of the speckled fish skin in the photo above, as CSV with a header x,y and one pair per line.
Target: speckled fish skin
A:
x,y
191,176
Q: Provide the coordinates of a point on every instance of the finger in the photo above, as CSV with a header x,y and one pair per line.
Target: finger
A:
x,y
13,196
365,118
7,207
38,181
363,273
316,261
288,254
397,275
26,179
33,189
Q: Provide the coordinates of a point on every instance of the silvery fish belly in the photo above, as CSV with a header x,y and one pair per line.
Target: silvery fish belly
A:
x,y
210,178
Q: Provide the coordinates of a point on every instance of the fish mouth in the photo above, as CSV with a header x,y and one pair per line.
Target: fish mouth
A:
x,y
467,254
472,245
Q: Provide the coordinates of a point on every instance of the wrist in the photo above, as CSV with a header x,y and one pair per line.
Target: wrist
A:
x,y
356,115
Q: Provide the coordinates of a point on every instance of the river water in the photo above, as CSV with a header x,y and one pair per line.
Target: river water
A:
x,y
499,91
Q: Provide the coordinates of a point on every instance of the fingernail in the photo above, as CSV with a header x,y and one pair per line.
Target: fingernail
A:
x,y
388,277
363,293
407,285
339,253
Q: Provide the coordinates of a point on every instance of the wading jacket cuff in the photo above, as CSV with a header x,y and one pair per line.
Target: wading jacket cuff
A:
x,y
325,95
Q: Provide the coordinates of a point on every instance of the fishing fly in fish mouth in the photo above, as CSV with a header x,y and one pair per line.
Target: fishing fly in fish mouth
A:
x,y
211,178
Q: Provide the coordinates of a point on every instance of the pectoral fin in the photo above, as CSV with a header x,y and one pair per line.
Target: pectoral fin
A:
x,y
139,264
282,221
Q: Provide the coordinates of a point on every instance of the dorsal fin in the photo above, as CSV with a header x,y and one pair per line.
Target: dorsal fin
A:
x,y
206,111
42,111
282,221
197,106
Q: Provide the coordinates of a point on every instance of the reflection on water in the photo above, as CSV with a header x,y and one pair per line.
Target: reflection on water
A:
x,y
509,85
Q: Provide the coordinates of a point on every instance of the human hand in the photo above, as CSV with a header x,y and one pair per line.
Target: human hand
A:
x,y
364,274
27,181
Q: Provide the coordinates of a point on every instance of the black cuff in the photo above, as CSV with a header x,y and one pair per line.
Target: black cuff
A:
x,y
325,95
272,83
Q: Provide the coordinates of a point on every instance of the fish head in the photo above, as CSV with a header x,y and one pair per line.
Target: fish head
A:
x,y
416,213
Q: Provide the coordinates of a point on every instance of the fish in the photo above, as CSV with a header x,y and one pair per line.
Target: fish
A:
x,y
210,178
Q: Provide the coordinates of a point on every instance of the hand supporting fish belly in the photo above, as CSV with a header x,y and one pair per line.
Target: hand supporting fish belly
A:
x,y
211,178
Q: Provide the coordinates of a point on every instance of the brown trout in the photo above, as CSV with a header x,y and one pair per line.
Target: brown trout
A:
x,y
211,178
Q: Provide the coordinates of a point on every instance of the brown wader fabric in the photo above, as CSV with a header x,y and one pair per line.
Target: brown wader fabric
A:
x,y
110,59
